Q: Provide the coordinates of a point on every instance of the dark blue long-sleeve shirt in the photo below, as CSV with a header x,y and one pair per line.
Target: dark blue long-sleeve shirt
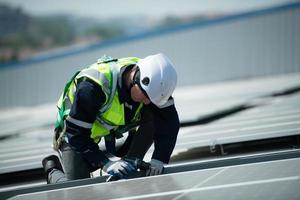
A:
x,y
89,98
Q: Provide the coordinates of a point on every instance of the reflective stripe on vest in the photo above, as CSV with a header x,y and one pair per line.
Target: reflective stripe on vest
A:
x,y
79,123
111,115
97,77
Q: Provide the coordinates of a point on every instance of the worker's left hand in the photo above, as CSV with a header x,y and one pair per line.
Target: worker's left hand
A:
x,y
119,168
156,168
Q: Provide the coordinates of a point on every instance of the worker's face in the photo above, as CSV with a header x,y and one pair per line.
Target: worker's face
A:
x,y
138,96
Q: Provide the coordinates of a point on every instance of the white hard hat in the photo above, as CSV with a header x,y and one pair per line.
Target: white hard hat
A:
x,y
158,78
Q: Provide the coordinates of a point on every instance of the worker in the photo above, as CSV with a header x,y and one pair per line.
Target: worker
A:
x,y
104,101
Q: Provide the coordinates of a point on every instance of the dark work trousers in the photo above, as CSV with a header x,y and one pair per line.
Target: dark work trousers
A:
x,y
73,164
75,167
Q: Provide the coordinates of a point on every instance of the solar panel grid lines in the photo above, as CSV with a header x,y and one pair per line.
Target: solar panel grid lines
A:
x,y
269,107
200,141
266,110
191,113
233,89
213,144
32,184
196,193
276,117
233,139
23,126
253,122
258,114
18,121
179,144
243,112
35,145
36,164
198,133
174,168
210,99
253,157
198,185
279,176
20,158
26,154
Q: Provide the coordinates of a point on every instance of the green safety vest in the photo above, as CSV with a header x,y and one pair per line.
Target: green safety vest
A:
x,y
111,116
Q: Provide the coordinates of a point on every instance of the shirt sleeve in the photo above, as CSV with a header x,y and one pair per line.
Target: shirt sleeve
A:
x,y
166,123
88,99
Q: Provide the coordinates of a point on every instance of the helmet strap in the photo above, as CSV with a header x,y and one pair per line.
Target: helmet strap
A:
x,y
134,80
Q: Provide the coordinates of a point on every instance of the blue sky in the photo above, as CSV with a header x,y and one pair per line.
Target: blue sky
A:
x,y
103,9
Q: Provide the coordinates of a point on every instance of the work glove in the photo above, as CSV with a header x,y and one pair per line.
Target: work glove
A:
x,y
119,168
156,168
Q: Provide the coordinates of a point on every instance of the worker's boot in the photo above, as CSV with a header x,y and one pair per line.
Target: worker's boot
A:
x,y
49,163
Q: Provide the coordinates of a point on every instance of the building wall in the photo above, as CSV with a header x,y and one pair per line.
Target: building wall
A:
x,y
260,43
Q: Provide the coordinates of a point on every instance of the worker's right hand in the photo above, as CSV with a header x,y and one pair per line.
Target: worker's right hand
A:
x,y
156,168
119,168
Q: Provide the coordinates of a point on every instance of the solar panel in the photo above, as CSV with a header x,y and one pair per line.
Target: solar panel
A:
x,y
198,101
268,180
17,121
268,118
169,169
